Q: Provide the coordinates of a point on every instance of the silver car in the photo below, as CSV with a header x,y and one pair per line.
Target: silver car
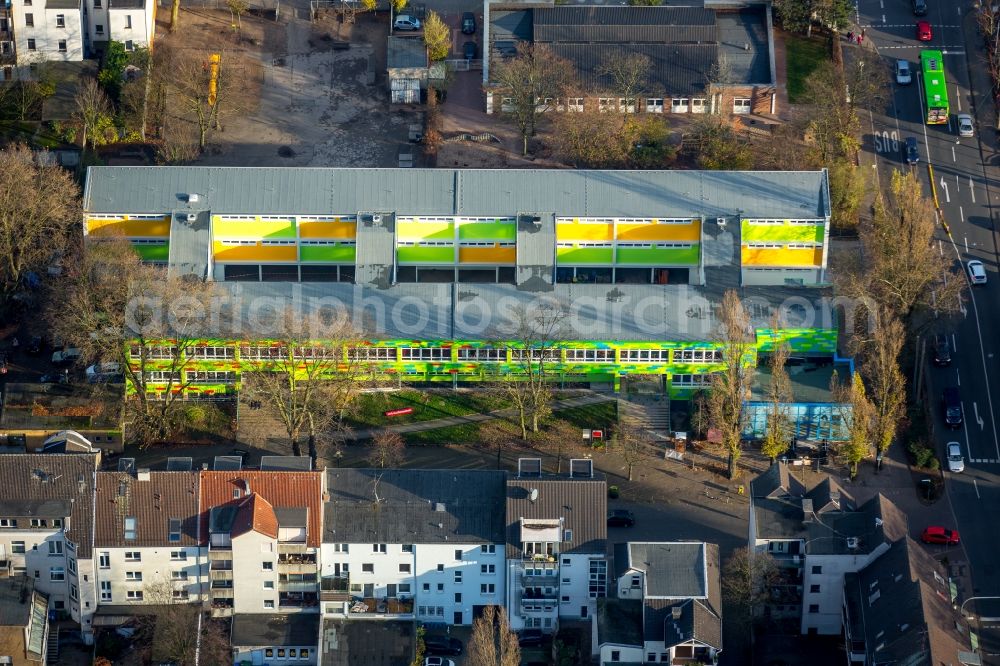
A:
x,y
965,127
903,75
956,463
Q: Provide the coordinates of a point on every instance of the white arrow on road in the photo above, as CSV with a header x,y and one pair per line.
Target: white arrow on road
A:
x,y
979,420
944,186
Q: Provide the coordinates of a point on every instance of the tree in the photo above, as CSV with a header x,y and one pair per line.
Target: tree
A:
x,y
437,37
386,449
832,124
91,105
492,642
793,15
184,635
498,435
716,145
523,82
597,140
112,74
798,15
309,375
399,5
645,3
856,416
631,443
869,81
555,437
32,90
730,386
39,212
848,185
778,428
140,316
535,331
629,77
879,357
237,8
747,577
175,12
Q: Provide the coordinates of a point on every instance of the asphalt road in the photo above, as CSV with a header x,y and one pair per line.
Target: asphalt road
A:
x,y
967,190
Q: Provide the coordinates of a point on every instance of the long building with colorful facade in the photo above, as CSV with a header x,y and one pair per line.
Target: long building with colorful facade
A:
x,y
431,262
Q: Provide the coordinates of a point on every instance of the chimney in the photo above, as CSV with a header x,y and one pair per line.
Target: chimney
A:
x,y
439,507
807,510
835,498
142,474
676,612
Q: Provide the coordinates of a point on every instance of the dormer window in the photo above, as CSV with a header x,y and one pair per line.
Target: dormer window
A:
x,y
130,527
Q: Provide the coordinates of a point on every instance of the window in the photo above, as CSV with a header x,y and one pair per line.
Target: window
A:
x,y
39,522
813,608
128,21
133,556
590,355
29,22
105,590
130,527
134,595
814,589
404,568
72,567
135,576
626,105
57,573
180,595
57,522
60,20
341,548
74,592
281,653
567,535
371,353
817,569
97,4
698,105
404,588
179,575
487,588
654,105
645,355
679,105
8,522
605,104
741,105
440,587
487,568
62,46
211,376
698,356
489,549
574,104
379,548
269,603
426,587
367,567
458,577
268,584
210,352
440,567
175,529
267,565
426,354
616,655
458,555
17,547
178,555
55,548
458,597
303,653
31,43
407,547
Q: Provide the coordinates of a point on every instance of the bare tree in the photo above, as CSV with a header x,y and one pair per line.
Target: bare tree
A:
x,y
856,415
34,87
39,210
387,449
631,443
175,12
555,437
778,428
499,435
492,642
629,77
747,577
731,385
184,634
525,81
139,316
91,105
869,81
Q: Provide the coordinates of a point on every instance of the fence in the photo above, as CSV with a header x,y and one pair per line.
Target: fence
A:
x,y
463,65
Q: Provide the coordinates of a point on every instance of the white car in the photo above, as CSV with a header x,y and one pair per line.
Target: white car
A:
x,y
103,372
438,661
903,75
956,463
406,22
977,272
965,127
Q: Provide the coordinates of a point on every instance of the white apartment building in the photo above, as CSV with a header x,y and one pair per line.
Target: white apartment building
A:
x,y
131,22
146,541
557,564
46,509
427,544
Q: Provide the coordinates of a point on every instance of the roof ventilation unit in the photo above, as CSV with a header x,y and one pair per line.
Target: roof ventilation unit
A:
x,y
376,219
533,495
191,217
852,543
192,198
529,467
721,221
581,468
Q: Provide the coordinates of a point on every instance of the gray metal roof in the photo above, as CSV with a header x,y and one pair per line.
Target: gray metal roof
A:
x,y
516,24
285,464
406,52
256,629
619,622
292,516
673,570
624,25
15,600
414,506
473,192
581,503
347,642
743,41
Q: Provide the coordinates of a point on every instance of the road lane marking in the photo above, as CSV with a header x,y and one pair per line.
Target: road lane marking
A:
x,y
966,238
954,159
972,188
976,486
944,186
979,420
958,377
956,176
961,214
954,343
940,248
958,97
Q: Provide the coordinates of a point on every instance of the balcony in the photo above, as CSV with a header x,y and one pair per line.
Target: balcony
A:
x,y
334,588
219,549
297,586
540,596
384,607
297,600
222,584
539,607
296,548
304,563
221,565
535,575
540,557
222,607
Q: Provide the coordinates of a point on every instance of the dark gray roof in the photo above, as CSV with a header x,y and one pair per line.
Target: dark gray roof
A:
x,y
292,517
286,463
581,503
26,508
809,382
513,24
414,506
63,4
406,52
126,4
676,69
619,622
382,643
256,629
874,523
624,25
15,600
221,518
43,477
738,30
673,569
695,622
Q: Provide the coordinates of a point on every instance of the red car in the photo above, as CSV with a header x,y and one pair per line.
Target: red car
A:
x,y
935,534
924,31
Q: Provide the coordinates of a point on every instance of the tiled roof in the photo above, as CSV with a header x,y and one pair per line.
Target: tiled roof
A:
x,y
257,515
414,506
154,503
694,621
42,477
582,503
280,489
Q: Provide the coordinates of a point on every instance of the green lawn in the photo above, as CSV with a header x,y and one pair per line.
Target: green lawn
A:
x,y
802,57
369,410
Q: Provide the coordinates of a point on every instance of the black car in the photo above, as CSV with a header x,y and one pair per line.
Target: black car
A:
x,y
531,638
920,7
469,50
621,518
951,403
468,23
942,351
911,150
34,346
442,645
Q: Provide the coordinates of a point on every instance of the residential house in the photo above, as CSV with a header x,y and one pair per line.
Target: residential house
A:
x,y
270,639
7,52
702,59
676,586
817,535
557,564
24,622
46,528
263,531
899,610
408,542
131,22
146,539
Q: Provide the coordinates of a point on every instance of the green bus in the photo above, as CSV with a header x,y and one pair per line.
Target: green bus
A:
x,y
935,87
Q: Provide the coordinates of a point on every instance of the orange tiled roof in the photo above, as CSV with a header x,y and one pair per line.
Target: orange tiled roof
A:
x,y
256,513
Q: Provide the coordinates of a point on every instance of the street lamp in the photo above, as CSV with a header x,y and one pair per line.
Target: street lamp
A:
x,y
961,609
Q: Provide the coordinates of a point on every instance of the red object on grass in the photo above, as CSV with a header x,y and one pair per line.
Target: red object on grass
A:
x,y
399,412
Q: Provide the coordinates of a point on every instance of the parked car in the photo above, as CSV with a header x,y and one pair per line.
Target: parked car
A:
x,y
468,23
956,463
621,518
66,357
965,127
911,151
920,7
951,403
942,351
903,74
470,50
54,378
977,272
103,372
530,638
406,22
937,534
442,645
924,33
438,661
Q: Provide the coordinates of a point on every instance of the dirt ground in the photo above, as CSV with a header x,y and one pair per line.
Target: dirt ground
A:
x,y
315,105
